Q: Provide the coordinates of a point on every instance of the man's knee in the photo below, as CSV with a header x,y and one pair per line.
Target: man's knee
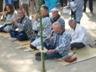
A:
x,y
77,45
33,47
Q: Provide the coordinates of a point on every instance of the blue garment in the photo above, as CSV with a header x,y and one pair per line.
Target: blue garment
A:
x,y
53,55
9,2
48,47
19,35
2,28
50,4
60,43
58,0
47,3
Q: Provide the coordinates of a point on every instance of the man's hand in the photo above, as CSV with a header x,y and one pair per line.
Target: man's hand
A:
x,y
48,37
50,51
14,21
4,13
68,7
35,17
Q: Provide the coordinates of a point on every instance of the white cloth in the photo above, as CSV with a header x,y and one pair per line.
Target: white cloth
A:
x,y
8,28
55,9
78,35
65,10
23,2
37,42
73,6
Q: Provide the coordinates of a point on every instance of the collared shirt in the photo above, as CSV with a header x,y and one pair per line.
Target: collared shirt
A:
x,y
46,26
62,43
21,20
26,26
60,20
78,35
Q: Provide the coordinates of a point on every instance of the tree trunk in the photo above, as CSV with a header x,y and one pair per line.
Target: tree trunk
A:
x,y
1,5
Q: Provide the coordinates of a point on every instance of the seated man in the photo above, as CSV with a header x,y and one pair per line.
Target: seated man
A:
x,y
46,26
78,35
24,27
58,45
57,18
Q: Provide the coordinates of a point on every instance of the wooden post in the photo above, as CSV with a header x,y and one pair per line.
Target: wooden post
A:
x,y
1,5
42,53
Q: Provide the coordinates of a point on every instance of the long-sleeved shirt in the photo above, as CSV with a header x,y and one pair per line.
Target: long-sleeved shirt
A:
x,y
9,17
46,26
61,42
78,35
77,6
60,20
26,26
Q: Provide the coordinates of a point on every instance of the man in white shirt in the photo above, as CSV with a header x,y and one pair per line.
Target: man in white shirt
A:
x,y
78,35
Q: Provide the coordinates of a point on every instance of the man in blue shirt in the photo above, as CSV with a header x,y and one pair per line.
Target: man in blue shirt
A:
x,y
58,45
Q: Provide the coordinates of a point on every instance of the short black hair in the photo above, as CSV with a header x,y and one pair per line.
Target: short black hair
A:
x,y
45,7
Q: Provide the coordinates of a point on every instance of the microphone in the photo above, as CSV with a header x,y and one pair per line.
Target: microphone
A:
x,y
50,35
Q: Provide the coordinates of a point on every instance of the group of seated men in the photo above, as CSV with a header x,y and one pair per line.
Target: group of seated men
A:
x,y
56,40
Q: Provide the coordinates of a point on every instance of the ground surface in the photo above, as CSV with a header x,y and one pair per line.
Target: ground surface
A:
x,y
12,60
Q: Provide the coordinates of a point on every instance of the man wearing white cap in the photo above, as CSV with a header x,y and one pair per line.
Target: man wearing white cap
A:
x,y
57,18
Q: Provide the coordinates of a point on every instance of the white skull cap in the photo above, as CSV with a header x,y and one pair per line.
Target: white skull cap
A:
x,y
55,9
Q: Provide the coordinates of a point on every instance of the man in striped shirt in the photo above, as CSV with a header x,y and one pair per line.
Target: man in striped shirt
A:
x,y
58,45
46,26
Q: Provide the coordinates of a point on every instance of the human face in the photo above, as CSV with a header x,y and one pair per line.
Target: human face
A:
x,y
21,13
54,14
56,30
73,26
43,12
7,8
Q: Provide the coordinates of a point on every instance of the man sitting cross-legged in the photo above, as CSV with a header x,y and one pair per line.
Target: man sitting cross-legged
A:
x,y
24,27
46,26
58,45
78,35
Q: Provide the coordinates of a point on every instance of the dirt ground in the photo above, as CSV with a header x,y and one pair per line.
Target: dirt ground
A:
x,y
12,60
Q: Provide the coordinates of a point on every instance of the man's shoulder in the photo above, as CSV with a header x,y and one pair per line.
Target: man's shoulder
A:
x,y
60,19
27,18
80,27
46,18
65,34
